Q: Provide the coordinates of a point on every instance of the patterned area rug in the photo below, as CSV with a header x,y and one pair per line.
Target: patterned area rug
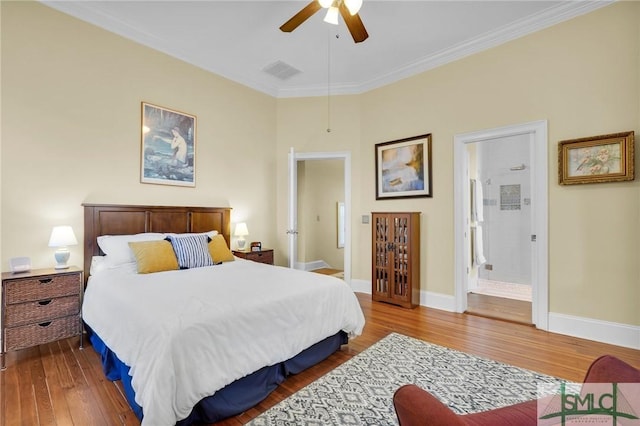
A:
x,y
360,391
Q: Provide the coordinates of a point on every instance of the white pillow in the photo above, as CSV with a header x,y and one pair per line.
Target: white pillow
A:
x,y
98,264
117,250
209,234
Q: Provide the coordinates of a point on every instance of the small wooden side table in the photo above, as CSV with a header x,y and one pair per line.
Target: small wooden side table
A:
x,y
40,306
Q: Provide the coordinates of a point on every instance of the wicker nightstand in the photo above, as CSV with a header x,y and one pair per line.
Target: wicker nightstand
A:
x,y
262,256
40,306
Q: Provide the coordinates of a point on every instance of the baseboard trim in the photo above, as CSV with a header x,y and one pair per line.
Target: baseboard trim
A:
x,y
310,266
361,286
427,298
592,329
444,302
612,333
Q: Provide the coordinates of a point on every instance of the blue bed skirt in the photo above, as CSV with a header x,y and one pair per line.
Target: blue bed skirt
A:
x,y
236,397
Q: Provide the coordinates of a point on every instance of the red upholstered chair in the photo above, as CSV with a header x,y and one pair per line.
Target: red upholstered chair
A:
x,y
415,406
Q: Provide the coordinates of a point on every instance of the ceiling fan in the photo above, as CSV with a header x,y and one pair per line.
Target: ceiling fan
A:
x,y
347,8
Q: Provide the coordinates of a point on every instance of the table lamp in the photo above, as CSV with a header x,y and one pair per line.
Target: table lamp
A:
x,y
241,232
62,237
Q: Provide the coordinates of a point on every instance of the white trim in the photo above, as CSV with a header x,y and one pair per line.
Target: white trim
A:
x,y
540,280
310,266
292,209
553,15
428,299
361,286
444,302
601,331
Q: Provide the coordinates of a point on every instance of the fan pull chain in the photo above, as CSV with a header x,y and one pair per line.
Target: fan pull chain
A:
x,y
329,83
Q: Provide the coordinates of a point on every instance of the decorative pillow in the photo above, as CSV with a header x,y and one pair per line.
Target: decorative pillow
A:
x,y
154,256
192,251
219,250
117,250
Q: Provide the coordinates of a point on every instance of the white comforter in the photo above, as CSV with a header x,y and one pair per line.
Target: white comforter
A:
x,y
188,333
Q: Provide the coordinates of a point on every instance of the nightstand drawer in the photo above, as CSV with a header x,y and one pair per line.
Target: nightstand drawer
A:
x,y
41,288
40,311
261,256
40,333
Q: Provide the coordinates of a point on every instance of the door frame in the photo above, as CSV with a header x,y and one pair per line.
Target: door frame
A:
x,y
292,231
537,131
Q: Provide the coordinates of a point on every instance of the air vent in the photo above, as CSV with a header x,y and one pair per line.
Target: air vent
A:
x,y
281,70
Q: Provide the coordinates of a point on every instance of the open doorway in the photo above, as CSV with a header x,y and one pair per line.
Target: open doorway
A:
x,y
321,216
318,220
500,184
500,224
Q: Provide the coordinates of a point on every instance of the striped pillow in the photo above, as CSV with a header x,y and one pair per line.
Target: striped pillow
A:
x,y
192,251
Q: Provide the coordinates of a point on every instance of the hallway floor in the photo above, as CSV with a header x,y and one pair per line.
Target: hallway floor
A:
x,y
501,300
499,308
328,271
503,289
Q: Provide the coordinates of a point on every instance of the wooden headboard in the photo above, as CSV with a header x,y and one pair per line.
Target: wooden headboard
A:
x,y
113,219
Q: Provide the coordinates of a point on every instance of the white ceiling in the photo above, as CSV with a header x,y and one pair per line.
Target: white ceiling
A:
x,y
238,39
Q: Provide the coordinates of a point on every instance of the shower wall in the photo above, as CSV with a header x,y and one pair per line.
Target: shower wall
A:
x,y
503,171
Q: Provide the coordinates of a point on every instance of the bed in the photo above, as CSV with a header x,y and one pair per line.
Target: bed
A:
x,y
201,344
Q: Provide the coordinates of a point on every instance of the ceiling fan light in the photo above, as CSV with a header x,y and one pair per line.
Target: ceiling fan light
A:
x,y
353,6
332,16
325,3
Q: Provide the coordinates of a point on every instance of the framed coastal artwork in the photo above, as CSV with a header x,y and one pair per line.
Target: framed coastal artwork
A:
x,y
168,146
606,158
403,168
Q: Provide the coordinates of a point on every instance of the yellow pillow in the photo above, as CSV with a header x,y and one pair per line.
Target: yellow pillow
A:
x,y
219,250
154,256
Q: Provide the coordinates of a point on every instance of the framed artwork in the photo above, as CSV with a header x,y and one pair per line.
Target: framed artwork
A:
x,y
168,146
606,158
403,168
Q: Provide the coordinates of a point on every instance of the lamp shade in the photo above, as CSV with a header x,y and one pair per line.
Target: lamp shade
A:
x,y
62,236
241,230
332,16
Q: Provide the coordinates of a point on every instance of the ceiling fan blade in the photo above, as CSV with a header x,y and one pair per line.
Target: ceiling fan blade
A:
x,y
354,24
301,16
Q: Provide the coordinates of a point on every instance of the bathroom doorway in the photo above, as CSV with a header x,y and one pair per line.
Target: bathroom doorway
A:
x,y
501,232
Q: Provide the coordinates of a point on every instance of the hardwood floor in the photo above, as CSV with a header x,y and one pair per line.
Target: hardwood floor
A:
x,y
327,271
499,307
58,384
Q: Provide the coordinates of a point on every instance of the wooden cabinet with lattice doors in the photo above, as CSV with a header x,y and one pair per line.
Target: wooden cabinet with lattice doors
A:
x,y
396,258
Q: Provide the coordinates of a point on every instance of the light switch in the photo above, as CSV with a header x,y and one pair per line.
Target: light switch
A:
x,y
365,218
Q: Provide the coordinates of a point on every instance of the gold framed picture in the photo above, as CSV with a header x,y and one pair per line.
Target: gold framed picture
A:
x,y
605,158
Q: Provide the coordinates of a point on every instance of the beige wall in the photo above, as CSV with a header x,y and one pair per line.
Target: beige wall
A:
x,y
582,76
71,96
323,187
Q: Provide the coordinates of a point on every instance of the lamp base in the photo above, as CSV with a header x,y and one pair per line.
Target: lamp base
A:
x,y
62,256
241,243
